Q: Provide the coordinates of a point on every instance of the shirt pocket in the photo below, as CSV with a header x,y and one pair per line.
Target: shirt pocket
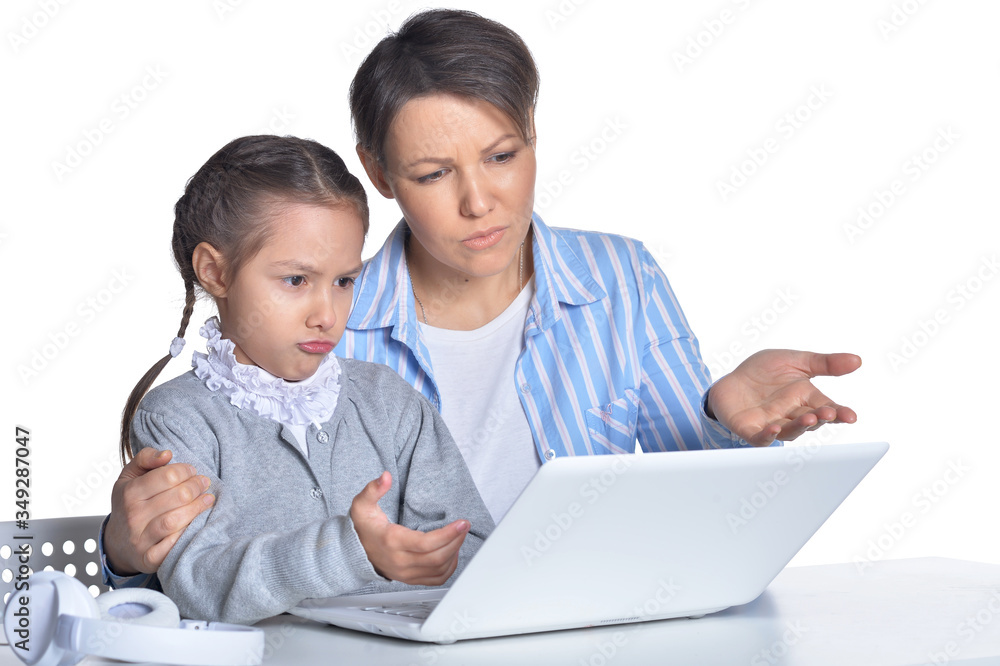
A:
x,y
612,425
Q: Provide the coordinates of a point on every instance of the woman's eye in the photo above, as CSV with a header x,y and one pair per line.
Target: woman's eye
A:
x,y
503,158
431,177
294,280
345,282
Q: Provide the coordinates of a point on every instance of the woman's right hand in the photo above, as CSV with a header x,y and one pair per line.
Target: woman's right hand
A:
x,y
151,504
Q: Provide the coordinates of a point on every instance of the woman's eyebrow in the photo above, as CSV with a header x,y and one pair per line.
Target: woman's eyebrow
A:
x,y
430,160
447,160
490,148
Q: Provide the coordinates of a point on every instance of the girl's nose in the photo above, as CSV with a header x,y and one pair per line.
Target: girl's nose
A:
x,y
323,314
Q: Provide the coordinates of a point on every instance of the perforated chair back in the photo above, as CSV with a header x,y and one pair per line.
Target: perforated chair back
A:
x,y
62,544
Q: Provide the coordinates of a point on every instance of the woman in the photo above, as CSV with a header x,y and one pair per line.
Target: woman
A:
x,y
533,342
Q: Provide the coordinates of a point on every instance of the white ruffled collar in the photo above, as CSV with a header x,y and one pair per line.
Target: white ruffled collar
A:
x,y
311,400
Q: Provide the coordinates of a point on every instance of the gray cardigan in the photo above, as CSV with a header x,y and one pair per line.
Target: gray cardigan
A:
x,y
280,531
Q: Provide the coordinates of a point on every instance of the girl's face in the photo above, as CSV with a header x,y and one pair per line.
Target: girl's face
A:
x,y
464,180
286,308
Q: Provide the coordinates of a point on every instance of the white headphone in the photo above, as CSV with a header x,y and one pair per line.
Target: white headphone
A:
x,y
56,622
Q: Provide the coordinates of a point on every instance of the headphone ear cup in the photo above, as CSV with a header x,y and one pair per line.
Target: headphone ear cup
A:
x,y
138,606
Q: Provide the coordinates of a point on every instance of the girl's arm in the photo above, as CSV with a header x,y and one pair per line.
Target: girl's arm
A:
x,y
233,564
430,492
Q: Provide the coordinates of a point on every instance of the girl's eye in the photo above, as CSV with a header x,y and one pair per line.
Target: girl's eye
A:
x,y
294,280
345,282
431,177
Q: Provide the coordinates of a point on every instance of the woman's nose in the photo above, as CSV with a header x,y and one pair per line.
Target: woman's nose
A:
x,y
476,197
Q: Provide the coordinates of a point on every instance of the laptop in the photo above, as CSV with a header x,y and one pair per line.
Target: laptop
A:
x,y
604,540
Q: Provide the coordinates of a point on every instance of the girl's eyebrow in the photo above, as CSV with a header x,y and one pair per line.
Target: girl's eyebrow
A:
x,y
294,265
302,267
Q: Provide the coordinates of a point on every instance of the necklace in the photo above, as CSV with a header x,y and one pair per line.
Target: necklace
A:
x,y
520,280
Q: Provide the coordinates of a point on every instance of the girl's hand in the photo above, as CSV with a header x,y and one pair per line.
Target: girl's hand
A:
x,y
769,396
399,553
151,504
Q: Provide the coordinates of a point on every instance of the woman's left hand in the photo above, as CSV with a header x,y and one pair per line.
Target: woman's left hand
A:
x,y
769,396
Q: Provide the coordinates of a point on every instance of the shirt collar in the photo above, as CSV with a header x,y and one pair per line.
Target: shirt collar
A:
x,y
384,297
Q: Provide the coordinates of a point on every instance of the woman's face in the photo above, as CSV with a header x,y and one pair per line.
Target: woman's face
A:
x,y
464,180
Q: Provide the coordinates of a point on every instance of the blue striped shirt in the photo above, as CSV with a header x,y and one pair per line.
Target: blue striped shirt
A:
x,y
608,360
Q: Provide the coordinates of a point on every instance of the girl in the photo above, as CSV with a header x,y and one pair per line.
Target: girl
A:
x,y
288,434
534,342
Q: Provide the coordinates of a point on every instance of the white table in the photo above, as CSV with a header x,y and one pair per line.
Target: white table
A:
x,y
897,612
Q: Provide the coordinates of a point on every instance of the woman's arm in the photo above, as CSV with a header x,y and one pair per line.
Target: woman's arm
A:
x,y
767,397
151,504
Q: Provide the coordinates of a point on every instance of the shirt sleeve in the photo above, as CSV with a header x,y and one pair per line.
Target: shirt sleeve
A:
x,y
117,582
217,572
675,380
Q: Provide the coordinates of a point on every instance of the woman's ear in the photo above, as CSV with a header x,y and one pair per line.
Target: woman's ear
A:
x,y
210,269
375,172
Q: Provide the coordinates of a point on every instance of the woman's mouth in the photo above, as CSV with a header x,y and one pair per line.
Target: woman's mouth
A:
x,y
485,239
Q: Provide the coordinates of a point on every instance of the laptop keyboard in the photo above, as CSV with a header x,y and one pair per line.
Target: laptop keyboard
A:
x,y
415,609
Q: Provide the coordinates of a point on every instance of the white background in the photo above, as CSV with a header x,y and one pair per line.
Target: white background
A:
x,y
110,106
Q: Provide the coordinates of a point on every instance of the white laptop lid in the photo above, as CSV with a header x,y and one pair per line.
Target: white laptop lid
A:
x,y
611,539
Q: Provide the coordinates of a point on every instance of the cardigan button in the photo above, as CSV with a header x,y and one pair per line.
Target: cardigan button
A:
x,y
316,493
323,437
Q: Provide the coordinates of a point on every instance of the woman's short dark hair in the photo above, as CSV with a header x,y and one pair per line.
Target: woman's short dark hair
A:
x,y
443,51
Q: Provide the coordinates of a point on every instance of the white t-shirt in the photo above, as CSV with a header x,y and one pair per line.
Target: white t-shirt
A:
x,y
474,372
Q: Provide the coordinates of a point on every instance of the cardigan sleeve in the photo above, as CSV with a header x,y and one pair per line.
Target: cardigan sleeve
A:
x,y
219,570
436,487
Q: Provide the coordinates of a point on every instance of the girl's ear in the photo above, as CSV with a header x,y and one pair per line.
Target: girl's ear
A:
x,y
375,172
209,267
